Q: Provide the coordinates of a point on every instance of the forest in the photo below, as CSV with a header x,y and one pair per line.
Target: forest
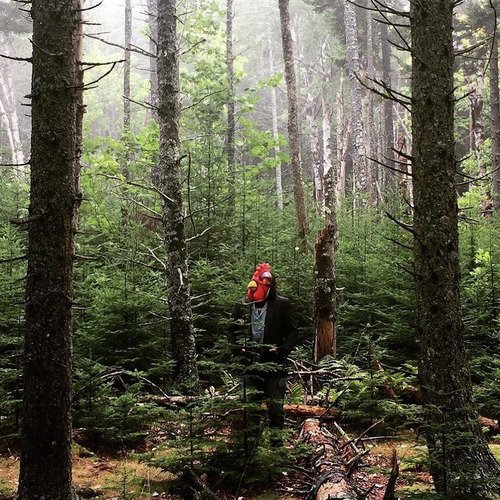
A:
x,y
249,249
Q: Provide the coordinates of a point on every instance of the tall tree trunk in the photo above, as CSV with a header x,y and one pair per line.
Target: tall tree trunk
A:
x,y
388,110
311,112
126,66
461,463
476,113
10,103
495,127
371,166
8,133
326,118
325,292
293,123
57,111
274,116
179,295
342,145
231,109
356,96
153,49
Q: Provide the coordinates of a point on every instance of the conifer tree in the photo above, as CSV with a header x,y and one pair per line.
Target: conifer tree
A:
x,y
55,166
178,293
461,464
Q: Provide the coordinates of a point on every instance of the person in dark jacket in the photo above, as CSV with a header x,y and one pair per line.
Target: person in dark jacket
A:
x,y
263,333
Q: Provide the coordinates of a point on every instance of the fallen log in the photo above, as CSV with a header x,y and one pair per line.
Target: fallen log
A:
x,y
294,411
330,463
309,411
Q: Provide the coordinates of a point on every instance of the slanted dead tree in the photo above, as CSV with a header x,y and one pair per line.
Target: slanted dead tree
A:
x,y
293,123
57,111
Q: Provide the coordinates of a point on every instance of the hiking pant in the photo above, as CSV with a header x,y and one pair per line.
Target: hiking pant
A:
x,y
270,390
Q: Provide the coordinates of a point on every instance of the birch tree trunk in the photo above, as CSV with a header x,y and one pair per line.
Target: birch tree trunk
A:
x,y
126,66
178,292
57,110
342,145
293,123
317,172
371,166
326,118
461,464
8,133
231,109
388,110
476,114
10,104
153,50
495,127
356,97
274,116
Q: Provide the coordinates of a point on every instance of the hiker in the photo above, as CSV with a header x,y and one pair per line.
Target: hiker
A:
x,y
264,333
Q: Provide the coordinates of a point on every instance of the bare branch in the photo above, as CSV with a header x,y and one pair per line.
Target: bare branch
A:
x,y
137,50
406,227
472,47
397,170
13,259
196,236
202,99
87,86
475,179
92,7
96,64
12,58
14,165
144,104
192,47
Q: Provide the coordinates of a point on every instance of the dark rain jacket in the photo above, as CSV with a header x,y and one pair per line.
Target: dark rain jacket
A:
x,y
280,331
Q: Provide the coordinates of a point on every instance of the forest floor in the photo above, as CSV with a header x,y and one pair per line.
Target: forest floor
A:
x,y
127,477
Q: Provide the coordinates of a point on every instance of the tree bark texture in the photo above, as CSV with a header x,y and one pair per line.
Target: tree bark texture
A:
x,y
293,122
153,49
388,111
8,133
371,166
178,293
274,117
57,111
327,135
343,132
356,97
126,66
330,462
314,140
7,87
476,113
495,127
231,109
325,291
461,463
